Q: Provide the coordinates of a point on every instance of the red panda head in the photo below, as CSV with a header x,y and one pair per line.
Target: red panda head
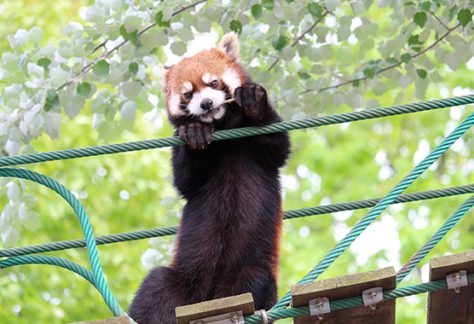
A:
x,y
197,86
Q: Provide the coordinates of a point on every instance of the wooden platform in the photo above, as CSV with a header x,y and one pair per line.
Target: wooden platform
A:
x,y
344,287
244,303
447,306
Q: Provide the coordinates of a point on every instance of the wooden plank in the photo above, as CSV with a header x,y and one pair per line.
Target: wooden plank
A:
x,y
344,287
243,302
447,306
114,320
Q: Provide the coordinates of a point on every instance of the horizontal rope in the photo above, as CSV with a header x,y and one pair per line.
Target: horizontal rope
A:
x,y
98,275
352,302
368,219
238,132
49,260
290,214
435,239
55,261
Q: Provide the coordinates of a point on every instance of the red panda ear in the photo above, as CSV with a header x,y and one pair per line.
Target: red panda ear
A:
x,y
229,44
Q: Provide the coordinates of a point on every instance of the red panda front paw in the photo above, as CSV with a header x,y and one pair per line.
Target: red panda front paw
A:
x,y
252,98
197,135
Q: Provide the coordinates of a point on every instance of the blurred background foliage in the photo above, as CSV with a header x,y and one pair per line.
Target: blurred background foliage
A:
x,y
368,53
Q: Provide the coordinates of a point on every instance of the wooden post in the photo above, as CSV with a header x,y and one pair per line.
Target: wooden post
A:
x,y
344,287
447,306
213,308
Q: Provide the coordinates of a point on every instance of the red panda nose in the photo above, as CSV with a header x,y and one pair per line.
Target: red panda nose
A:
x,y
206,104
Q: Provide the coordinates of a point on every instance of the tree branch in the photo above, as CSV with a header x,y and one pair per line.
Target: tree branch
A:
x,y
298,38
439,20
414,56
91,64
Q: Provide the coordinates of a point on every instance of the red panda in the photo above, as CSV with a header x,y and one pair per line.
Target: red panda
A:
x,y
228,238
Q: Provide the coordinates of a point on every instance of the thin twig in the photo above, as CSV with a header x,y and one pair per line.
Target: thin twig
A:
x,y
439,20
297,39
99,46
414,56
91,64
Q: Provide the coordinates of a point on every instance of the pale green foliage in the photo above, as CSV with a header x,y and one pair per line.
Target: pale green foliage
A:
x,y
64,81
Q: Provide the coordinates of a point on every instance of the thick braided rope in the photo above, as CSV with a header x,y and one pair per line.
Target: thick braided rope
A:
x,y
381,206
290,214
106,239
438,236
273,315
238,132
97,272
45,259
352,302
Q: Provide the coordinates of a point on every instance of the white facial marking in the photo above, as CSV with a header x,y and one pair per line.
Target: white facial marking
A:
x,y
187,87
220,113
208,78
173,105
231,79
216,112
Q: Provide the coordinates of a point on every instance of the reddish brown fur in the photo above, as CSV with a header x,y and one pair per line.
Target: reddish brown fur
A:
x,y
191,69
228,240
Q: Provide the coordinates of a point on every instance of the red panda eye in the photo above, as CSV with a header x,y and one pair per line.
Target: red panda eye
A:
x,y
214,84
188,95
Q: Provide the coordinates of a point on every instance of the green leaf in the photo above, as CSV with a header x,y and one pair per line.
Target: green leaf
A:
x,y
304,75
161,55
256,11
159,20
464,16
414,42
44,62
425,6
369,72
268,4
420,19
52,100
421,73
405,58
280,42
101,68
133,67
315,9
131,37
84,89
391,60
236,26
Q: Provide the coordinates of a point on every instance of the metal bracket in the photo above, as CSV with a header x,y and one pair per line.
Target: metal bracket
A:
x,y
228,318
372,296
319,306
456,280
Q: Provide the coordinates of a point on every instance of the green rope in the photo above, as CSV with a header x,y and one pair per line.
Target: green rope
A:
x,y
45,259
440,233
381,206
97,272
351,302
290,214
238,132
